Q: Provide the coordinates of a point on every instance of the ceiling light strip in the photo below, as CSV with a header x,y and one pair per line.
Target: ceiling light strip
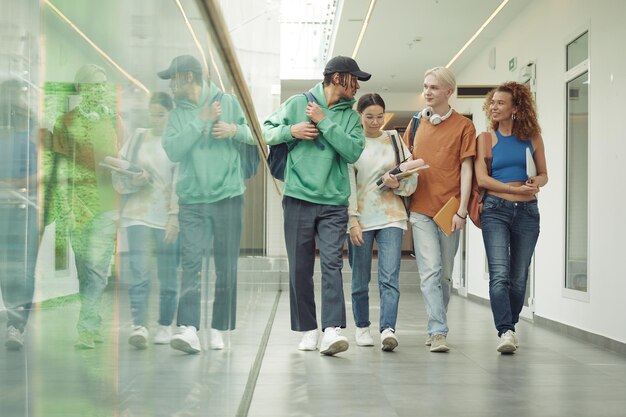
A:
x,y
214,64
193,35
473,38
96,47
364,28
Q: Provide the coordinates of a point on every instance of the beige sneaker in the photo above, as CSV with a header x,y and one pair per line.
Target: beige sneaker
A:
x,y
15,339
507,342
429,341
438,343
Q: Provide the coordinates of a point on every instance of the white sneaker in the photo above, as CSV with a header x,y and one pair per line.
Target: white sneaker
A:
x,y
15,339
139,337
333,342
507,342
363,337
309,340
163,335
516,339
187,340
428,341
217,341
388,340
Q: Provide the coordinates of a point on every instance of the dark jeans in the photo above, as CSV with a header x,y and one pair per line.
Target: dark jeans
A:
x,y
19,243
219,222
306,223
142,242
510,231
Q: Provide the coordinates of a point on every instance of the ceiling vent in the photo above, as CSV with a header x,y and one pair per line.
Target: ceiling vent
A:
x,y
473,91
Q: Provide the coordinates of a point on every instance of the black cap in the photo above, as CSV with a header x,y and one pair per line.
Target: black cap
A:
x,y
182,63
345,64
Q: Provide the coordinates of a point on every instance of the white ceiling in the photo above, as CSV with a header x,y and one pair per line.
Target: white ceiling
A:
x,y
406,37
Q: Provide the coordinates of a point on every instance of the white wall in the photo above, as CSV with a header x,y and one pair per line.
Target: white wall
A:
x,y
540,33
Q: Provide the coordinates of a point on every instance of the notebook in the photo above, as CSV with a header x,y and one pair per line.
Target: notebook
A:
x,y
531,169
443,218
409,172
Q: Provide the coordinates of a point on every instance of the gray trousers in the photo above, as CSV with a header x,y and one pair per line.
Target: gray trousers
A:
x,y
305,224
201,224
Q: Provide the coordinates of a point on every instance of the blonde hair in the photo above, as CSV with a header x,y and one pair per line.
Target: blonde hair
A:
x,y
444,75
90,73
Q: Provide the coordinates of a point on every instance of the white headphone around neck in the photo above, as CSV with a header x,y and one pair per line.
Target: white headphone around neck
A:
x,y
434,118
94,116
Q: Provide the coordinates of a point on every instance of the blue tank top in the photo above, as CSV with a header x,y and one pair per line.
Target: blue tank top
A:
x,y
509,158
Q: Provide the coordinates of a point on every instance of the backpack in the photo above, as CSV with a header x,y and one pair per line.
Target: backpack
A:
x,y
248,154
400,157
277,158
416,122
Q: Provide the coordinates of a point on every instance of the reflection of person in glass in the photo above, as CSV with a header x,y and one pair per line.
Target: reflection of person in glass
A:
x,y
149,212
84,137
19,231
202,135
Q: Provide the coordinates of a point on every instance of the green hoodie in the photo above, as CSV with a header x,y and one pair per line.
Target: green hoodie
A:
x,y
209,168
313,174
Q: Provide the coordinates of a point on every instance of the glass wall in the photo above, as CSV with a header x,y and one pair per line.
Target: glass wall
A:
x,y
132,200
577,88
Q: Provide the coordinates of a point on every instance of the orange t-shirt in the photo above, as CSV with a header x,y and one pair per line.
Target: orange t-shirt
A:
x,y
443,147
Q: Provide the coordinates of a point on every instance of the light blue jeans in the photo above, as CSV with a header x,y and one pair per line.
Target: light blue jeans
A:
x,y
19,245
140,245
93,246
434,252
389,242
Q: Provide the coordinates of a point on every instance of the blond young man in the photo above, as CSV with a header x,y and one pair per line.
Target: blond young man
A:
x,y
447,142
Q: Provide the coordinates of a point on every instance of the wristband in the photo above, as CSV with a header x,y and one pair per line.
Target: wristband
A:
x,y
461,217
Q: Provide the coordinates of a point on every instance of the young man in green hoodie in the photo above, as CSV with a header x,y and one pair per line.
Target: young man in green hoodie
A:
x,y
328,135
202,136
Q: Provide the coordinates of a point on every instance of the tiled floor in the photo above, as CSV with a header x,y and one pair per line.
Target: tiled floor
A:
x,y
551,375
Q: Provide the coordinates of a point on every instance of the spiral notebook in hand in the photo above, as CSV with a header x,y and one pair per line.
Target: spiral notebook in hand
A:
x,y
443,218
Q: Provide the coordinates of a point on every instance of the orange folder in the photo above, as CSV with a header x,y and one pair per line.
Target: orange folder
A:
x,y
443,218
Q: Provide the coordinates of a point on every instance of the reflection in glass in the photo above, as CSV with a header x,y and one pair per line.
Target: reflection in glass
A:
x,y
81,139
577,186
87,116
19,225
145,179
204,136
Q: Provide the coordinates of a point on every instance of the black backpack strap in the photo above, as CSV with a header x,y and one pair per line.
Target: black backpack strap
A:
x,y
218,96
311,99
396,147
416,123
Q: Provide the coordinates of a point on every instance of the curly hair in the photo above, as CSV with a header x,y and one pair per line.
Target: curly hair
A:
x,y
525,125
